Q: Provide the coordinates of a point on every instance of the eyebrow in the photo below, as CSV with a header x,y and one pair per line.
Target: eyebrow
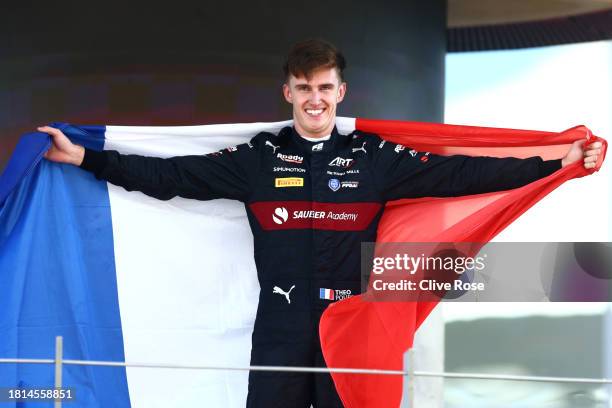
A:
x,y
329,84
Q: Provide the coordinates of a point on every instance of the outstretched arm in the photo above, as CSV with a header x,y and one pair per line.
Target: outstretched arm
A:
x,y
203,177
405,173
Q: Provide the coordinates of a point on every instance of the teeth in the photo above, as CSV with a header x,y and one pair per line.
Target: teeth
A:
x,y
314,112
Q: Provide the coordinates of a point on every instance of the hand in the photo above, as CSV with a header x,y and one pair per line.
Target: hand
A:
x,y
62,150
577,151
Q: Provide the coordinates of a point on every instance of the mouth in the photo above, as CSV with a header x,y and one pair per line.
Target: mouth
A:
x,y
315,113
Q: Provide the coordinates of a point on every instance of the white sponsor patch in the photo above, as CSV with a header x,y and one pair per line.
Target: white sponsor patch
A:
x,y
349,184
290,158
330,215
341,162
280,215
289,170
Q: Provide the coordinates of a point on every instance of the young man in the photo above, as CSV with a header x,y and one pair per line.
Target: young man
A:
x,y
312,196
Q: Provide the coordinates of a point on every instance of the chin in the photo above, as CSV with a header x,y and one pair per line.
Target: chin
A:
x,y
318,127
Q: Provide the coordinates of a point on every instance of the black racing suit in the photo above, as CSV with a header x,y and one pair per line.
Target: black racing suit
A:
x,y
310,206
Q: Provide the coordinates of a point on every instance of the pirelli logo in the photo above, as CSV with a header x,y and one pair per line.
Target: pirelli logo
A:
x,y
289,182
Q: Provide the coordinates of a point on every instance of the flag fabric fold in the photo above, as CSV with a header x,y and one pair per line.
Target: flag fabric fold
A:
x,y
124,277
386,329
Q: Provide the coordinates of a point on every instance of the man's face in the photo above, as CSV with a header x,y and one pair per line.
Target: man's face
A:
x,y
314,101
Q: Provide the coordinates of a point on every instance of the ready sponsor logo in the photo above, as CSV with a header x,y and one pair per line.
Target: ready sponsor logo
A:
x,y
288,182
290,158
334,294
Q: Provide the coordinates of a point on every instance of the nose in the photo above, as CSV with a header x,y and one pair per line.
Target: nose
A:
x,y
315,97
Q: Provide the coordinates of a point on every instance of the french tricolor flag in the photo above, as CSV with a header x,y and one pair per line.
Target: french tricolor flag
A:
x,y
326,294
124,277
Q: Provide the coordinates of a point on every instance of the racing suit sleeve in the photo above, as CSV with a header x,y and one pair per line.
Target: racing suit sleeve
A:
x,y
222,174
402,172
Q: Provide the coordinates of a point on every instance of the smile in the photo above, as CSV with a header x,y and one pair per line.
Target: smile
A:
x,y
314,112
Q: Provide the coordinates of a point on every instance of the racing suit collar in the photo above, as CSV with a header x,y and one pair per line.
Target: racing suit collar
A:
x,y
308,147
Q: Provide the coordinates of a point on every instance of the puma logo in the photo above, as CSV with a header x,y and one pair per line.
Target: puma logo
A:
x,y
269,143
282,292
361,149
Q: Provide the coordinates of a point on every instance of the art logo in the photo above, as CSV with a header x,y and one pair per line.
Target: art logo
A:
x,y
341,162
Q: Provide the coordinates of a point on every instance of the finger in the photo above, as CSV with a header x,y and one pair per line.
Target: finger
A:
x,y
594,145
579,142
50,130
589,165
592,152
590,159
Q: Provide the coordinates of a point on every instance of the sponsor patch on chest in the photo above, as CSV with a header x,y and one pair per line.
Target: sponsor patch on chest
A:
x,y
342,162
288,182
290,158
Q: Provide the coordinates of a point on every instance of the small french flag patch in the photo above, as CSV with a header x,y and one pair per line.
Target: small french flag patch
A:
x,y
326,294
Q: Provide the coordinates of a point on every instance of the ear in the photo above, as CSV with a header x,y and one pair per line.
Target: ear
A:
x,y
287,93
341,92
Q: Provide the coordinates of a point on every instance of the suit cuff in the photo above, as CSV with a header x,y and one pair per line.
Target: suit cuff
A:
x,y
549,167
94,161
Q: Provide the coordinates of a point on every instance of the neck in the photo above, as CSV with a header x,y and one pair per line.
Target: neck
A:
x,y
317,139
323,134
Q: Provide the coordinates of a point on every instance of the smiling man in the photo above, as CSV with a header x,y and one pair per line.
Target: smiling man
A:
x,y
314,86
312,196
